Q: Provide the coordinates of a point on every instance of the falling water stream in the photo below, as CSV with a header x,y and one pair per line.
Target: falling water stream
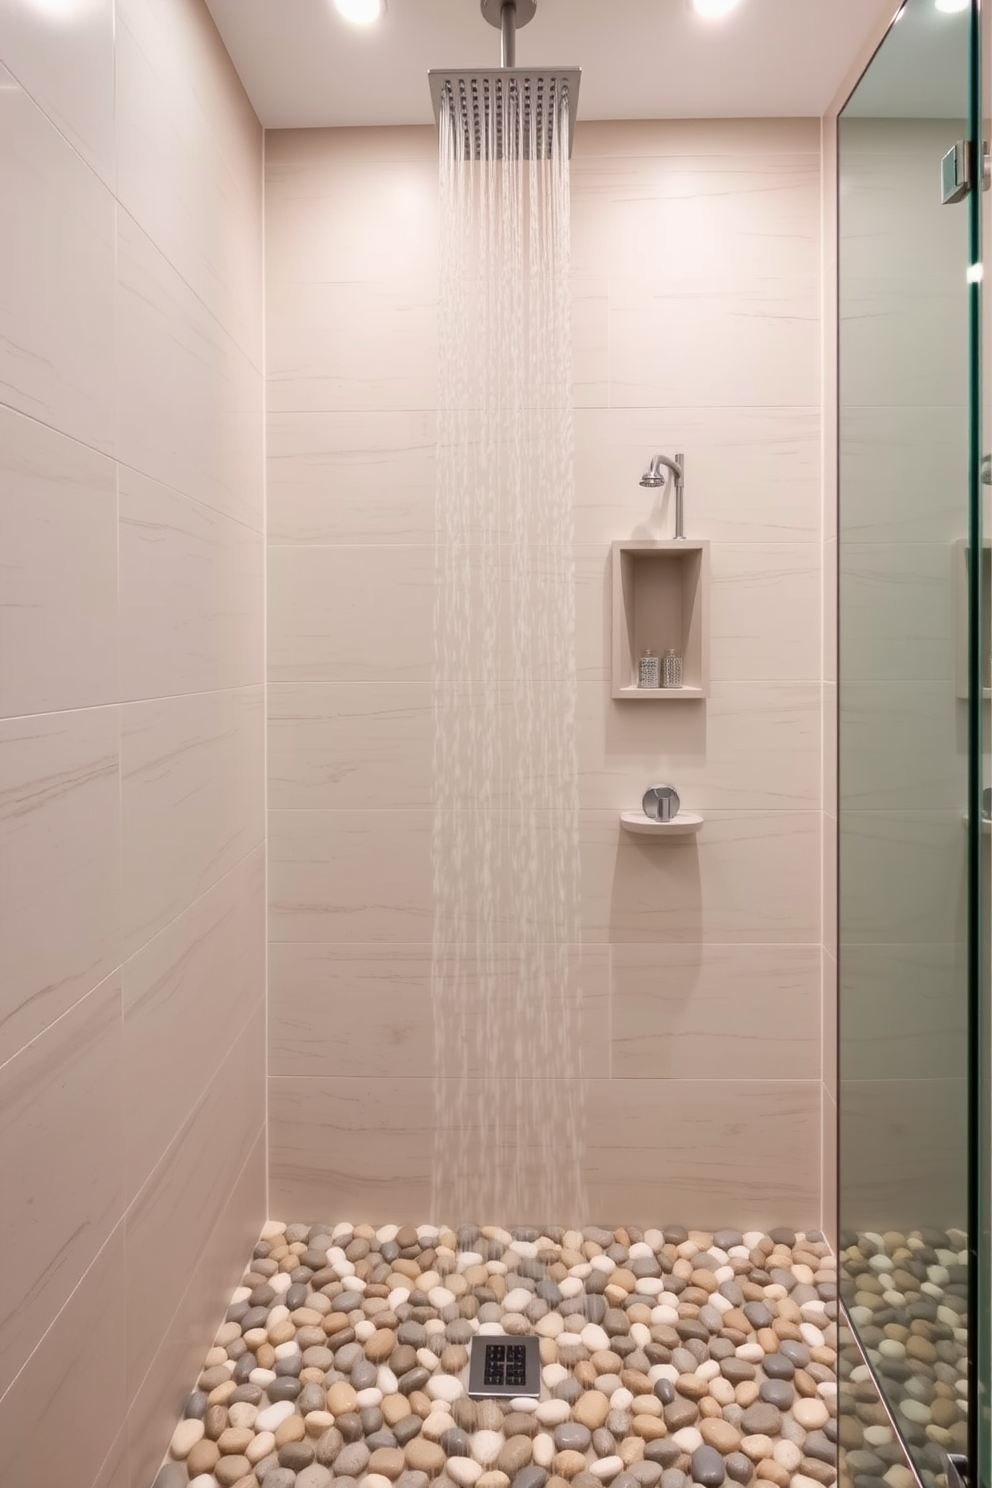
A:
x,y
505,975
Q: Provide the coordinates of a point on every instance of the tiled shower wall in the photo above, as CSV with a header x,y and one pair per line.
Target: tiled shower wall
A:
x,y
696,256
131,742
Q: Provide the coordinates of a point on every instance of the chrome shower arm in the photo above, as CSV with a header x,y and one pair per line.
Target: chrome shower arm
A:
x,y
508,32
653,478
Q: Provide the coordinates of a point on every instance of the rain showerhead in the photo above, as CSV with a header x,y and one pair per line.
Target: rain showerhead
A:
x,y
506,111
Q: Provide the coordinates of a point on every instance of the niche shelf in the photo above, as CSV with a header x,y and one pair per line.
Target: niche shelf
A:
x,y
962,549
686,824
661,600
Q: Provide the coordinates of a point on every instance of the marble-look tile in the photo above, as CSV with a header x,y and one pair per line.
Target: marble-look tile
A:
x,y
351,614
189,166
192,779
351,876
342,1146
57,269
176,1353
59,865
904,1012
64,60
704,1152
831,604
888,195
752,474
886,318
314,988
78,1363
114,1472
204,970
829,748
350,744
829,1027
351,477
169,1222
324,221
765,612
897,608
60,1164
58,537
903,878
716,1012
829,1175
301,161
350,346
590,340
191,594
600,140
753,744
189,399
745,878
903,745
663,332
902,472
903,1160
830,882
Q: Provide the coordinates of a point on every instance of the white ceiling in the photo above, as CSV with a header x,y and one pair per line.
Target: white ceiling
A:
x,y
641,59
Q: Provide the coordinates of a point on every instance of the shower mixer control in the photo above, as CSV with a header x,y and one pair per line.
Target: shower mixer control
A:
x,y
661,803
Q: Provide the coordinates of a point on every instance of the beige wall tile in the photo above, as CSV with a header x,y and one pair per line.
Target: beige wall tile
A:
x,y
191,594
191,800
903,746
170,1221
765,613
604,141
59,865
829,1031
359,476
205,971
57,353
902,1161
745,878
189,158
351,614
897,613
68,70
58,535
903,471
760,1140
344,744
905,1012
829,1216
189,399
90,1394
157,1402
114,1472
752,744
60,1163
902,878
715,1012
830,882
830,763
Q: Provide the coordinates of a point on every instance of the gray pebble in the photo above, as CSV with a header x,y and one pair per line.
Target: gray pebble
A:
x,y
792,1431
595,1309
279,1477
530,1477
797,1353
732,1292
285,1388
725,1239
572,1437
412,1479
414,1379
707,1467
663,1452
569,1390
405,1430
761,1419
257,1317
297,1455
196,1406
296,1296
347,1357
312,1398
286,1368
646,1473
777,1392
371,1419
314,1476
739,1468
672,1478
376,1439
737,1370
250,1394
455,1443
352,1459
329,1446
415,1334
665,1391
172,1475
816,1445
603,1442
758,1314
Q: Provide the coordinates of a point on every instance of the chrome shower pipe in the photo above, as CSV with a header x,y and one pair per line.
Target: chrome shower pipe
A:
x,y
508,31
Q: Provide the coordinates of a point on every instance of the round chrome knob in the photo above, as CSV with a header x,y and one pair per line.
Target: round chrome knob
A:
x,y
661,803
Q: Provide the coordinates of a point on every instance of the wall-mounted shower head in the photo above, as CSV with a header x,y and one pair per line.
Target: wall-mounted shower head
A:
x,y
655,476
508,112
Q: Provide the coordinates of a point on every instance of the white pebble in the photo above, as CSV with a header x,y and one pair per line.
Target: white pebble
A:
x,y
622,1399
930,1289
525,1248
655,1239
185,1438
688,1439
719,1303
340,1262
287,1350
606,1468
364,1330
880,1263
386,1380
641,1334
554,1374
669,1299
862,1316
427,1359
486,1329
240,1294
891,1348
543,1449
517,1300
650,1286
468,1258
262,1377
594,1337
444,1387
553,1412
524,1403
272,1229
204,1480
366,1399
811,1335
272,1417
709,1369
241,1413
897,1299
439,1297
603,1263
723,1273
281,1283
751,1238
828,1389
571,1287
877,1436
486,1446
438,1422
397,1296
813,1312
497,1268
427,1233
948,1315
666,1315
722,1391
260,1446
662,1371
800,1480
342,1231
753,1353
385,1233
641,1250
463,1471
787,1455
739,1253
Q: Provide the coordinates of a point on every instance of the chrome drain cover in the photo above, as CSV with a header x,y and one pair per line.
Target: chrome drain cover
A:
x,y
503,1366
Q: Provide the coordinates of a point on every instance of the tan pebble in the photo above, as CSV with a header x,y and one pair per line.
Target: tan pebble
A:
x,y
242,1414
784,1329
639,1312
311,1376
591,1409
811,1414
306,1317
214,1422
395,1408
548,1349
420,1404
282,1332
604,1361
768,1339
185,1438
823,1355
255,1337
317,1422
266,1355
636,1382
624,1278
691,1386
231,1470
203,1458
263,1445
769,1471
585,1374
389,1462
747,1392
290,1430
616,1296
722,1391
646,1405
805,1383
709,1407
488,1416
720,1434
631,1450
235,1441
567,1464
650,1428
335,1322
705,1281
757,1447
341,1398
493,1479
424,1456
735,1319
221,1394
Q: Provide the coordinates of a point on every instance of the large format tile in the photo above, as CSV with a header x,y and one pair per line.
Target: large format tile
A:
x,y
903,744
169,1222
904,335
176,1351
746,877
754,745
79,1364
716,1012
190,158
206,970
765,612
57,272
192,779
905,1012
60,1164
707,1153
902,1158
59,865
829,1176
315,989
189,399
829,1026
354,614
897,608
191,594
67,67
902,878
58,536
358,476
902,472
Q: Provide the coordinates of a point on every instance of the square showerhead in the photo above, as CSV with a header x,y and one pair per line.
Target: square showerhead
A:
x,y
480,102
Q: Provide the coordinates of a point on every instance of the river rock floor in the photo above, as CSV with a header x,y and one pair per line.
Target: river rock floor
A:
x,y
670,1357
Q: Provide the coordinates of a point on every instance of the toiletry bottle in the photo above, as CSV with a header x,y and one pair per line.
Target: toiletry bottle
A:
x,y
671,669
648,669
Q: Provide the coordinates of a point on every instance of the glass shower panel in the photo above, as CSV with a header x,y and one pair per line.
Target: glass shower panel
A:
x,y
903,680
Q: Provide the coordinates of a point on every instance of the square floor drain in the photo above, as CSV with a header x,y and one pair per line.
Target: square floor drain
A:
x,y
501,1365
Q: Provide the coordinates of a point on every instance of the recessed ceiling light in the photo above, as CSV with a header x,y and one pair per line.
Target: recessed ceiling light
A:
x,y
951,7
712,8
360,12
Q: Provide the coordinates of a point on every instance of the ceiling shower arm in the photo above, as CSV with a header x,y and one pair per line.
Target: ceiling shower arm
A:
x,y
508,32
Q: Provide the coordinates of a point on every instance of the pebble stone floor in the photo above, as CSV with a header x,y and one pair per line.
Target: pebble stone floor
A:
x,y
669,1357
907,1296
